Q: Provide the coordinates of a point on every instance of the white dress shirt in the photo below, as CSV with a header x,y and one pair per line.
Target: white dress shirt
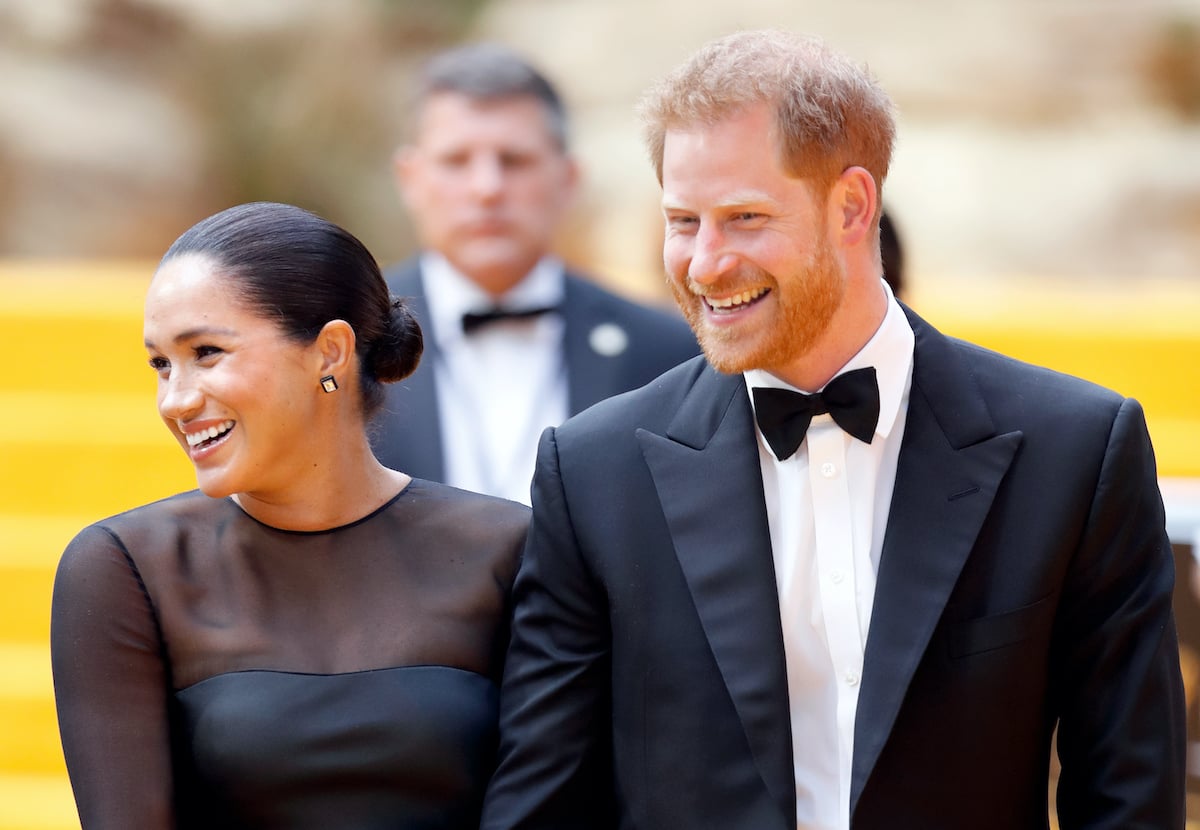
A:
x,y
827,509
501,385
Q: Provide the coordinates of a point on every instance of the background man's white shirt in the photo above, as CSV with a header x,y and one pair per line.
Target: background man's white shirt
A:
x,y
500,386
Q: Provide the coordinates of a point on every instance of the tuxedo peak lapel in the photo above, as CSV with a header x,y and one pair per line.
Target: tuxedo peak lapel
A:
x,y
951,464
940,374
709,406
706,472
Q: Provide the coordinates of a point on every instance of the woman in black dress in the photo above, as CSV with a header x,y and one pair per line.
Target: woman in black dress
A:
x,y
310,640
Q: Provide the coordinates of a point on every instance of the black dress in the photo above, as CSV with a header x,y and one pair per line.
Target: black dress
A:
x,y
212,671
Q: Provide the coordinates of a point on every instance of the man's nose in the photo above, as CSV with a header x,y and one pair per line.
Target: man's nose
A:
x,y
711,257
487,177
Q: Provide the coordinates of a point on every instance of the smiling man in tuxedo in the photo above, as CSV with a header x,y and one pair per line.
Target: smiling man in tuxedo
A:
x,y
847,572
513,341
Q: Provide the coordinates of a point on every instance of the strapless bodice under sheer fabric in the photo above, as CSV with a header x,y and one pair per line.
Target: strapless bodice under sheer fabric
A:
x,y
214,672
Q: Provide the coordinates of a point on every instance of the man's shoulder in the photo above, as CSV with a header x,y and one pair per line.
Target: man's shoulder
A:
x,y
1005,375
404,277
651,329
999,375
1017,395
585,290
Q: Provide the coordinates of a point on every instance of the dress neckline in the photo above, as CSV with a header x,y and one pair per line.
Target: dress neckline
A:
x,y
361,520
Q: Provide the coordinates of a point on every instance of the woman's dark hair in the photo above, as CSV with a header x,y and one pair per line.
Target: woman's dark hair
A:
x,y
891,253
301,271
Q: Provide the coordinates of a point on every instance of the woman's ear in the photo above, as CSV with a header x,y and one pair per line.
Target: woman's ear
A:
x,y
335,349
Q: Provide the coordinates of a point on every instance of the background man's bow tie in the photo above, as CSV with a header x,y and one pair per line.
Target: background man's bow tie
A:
x,y
474,320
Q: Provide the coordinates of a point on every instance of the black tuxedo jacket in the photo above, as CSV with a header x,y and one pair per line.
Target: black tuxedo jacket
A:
x,y
1024,583
408,436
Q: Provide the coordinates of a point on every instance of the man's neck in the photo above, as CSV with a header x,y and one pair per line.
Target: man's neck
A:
x,y
496,281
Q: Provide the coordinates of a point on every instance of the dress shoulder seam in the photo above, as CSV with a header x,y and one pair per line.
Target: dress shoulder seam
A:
x,y
141,583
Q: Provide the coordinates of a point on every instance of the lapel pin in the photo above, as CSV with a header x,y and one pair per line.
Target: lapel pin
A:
x,y
608,339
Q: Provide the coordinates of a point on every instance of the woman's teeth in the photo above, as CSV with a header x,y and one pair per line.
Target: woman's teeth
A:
x,y
203,435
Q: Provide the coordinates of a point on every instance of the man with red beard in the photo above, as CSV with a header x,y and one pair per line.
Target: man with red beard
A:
x,y
846,572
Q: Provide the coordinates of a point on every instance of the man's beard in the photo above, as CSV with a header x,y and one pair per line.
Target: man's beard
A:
x,y
805,302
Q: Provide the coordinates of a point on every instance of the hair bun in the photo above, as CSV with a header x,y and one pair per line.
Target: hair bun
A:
x,y
397,352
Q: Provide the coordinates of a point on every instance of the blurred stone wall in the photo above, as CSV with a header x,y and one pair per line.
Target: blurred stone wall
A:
x,y
122,122
1037,137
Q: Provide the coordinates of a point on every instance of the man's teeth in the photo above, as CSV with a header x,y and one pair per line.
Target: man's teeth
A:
x,y
737,299
206,434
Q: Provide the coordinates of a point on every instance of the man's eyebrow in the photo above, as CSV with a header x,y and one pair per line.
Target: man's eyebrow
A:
x,y
738,198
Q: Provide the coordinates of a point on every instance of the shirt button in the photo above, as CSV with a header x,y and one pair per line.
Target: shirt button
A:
x,y
852,678
837,577
828,469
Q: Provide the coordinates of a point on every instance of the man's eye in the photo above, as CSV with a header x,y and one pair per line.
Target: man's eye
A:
x,y
515,161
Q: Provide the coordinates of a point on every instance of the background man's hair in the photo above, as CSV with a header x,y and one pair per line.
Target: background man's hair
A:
x,y
490,72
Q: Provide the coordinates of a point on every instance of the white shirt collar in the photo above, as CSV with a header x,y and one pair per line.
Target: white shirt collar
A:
x,y
450,294
890,351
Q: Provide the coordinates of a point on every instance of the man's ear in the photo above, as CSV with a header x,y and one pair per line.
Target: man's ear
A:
x,y
572,181
404,164
335,349
853,200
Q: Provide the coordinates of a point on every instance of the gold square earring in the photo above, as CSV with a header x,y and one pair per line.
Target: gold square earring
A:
x,y
329,384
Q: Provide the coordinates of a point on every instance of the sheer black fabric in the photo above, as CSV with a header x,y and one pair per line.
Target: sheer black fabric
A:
x,y
211,671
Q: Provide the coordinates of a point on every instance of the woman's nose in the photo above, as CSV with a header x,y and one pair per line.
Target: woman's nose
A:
x,y
179,398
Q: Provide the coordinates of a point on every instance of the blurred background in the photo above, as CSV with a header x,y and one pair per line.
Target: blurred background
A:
x,y
1044,137
1046,188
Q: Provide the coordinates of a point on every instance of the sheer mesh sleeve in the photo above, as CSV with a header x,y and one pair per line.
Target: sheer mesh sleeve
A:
x,y
111,687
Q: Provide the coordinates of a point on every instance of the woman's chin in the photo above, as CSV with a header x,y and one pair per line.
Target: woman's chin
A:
x,y
213,488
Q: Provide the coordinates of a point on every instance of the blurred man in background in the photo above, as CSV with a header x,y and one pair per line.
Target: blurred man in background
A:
x,y
514,342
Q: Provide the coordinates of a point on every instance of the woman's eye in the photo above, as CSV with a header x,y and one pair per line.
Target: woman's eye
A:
x,y
206,351
160,364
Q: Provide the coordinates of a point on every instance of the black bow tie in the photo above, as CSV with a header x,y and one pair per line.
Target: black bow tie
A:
x,y
852,400
473,320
